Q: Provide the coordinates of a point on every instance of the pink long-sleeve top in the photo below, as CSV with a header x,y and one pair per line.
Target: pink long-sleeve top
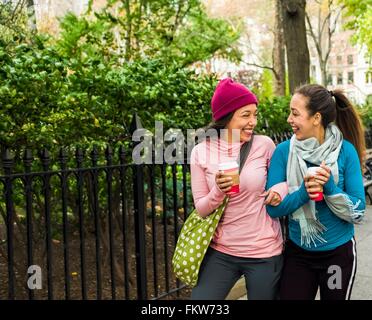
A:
x,y
245,228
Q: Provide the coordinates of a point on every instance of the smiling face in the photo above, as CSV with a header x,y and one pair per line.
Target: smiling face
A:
x,y
245,120
303,124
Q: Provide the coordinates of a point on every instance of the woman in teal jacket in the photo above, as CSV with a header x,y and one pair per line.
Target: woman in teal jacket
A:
x,y
320,251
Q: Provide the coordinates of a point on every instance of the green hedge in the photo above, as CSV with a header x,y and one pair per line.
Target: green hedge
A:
x,y
43,102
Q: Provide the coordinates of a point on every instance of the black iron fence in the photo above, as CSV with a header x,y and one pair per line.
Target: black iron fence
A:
x,y
103,229
91,225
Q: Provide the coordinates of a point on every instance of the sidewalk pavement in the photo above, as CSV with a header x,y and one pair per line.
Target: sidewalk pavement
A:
x,y
362,289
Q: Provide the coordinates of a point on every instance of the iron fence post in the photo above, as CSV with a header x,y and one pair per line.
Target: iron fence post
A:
x,y
139,219
8,163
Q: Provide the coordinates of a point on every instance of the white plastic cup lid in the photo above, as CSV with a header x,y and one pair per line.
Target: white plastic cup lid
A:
x,y
228,165
312,170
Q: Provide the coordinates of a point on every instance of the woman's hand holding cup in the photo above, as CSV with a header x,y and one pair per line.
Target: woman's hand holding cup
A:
x,y
223,182
227,178
323,174
315,179
313,188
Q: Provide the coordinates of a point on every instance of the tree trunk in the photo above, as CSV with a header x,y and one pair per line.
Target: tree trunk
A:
x,y
323,72
128,40
279,52
296,42
31,14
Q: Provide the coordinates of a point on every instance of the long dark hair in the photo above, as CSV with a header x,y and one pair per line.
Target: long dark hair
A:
x,y
215,126
334,106
220,124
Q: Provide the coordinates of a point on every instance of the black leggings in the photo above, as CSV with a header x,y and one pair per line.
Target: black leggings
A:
x,y
332,271
220,271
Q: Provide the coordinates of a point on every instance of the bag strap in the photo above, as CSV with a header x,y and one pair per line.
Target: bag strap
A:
x,y
244,152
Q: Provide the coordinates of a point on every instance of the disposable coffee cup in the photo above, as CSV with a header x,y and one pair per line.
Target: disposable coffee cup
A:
x,y
312,171
231,169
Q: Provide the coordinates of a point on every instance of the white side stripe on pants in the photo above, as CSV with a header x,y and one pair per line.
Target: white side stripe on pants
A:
x,y
352,276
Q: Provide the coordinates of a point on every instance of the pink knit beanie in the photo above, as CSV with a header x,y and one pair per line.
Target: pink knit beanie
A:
x,y
230,96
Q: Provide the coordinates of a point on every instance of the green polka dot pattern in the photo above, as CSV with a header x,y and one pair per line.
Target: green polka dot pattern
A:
x,y
193,242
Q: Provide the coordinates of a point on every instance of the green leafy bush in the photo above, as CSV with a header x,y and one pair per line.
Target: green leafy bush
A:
x,y
273,114
43,102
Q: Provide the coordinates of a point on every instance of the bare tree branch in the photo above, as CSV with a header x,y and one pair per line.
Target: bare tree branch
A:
x,y
313,36
178,17
336,18
260,66
325,29
327,18
22,5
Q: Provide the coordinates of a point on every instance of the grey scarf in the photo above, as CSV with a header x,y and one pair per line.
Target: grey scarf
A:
x,y
311,151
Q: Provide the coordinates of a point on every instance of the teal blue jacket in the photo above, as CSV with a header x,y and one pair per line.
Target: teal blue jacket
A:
x,y
350,184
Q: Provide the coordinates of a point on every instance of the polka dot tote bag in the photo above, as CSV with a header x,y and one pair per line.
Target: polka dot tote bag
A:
x,y
193,242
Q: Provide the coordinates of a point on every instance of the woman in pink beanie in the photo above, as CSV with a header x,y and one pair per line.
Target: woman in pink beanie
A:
x,y
247,241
